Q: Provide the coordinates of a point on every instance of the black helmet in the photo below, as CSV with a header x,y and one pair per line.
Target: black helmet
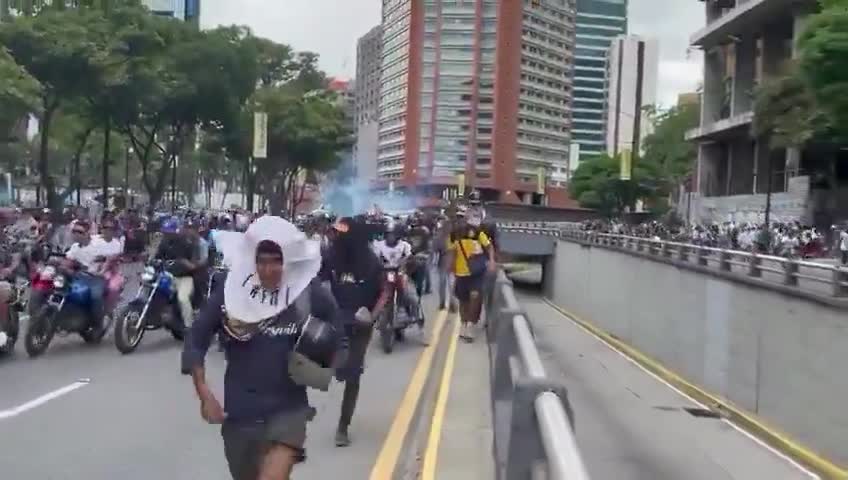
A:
x,y
317,341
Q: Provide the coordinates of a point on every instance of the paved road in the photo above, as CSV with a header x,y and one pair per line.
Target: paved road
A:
x,y
137,417
631,426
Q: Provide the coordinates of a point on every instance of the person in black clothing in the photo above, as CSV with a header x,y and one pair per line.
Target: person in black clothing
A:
x,y
356,278
264,308
183,259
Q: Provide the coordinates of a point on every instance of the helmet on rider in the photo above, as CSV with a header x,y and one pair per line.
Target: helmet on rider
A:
x,y
393,234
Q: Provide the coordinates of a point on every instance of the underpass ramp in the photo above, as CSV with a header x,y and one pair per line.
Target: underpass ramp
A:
x,y
629,424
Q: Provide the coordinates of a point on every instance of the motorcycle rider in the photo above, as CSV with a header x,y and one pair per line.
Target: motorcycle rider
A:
x,y
420,238
176,248
264,307
15,259
395,253
91,253
356,278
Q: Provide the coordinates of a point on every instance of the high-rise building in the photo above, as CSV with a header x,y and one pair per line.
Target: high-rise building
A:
x,y
478,93
598,23
746,43
633,66
369,50
186,10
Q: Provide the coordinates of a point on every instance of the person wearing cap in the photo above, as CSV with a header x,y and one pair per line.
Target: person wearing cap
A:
x,y
267,308
356,278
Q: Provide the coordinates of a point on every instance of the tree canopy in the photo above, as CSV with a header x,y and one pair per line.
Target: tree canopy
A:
x,y
109,75
596,184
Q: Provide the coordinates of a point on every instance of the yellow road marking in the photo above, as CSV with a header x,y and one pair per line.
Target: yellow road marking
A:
x,y
389,454
431,454
743,419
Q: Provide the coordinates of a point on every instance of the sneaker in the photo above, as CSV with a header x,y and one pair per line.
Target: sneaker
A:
x,y
342,438
471,333
464,331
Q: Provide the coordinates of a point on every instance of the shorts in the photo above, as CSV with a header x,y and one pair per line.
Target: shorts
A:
x,y
465,285
245,444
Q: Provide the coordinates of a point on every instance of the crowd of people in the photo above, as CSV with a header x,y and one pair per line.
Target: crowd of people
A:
x,y
311,290
791,240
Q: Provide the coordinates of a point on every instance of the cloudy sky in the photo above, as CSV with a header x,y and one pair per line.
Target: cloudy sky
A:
x,y
331,27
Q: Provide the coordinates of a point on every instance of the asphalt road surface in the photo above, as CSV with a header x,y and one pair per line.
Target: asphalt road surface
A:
x,y
630,425
83,412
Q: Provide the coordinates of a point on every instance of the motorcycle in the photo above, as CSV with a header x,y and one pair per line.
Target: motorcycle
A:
x,y
17,310
155,306
66,308
395,319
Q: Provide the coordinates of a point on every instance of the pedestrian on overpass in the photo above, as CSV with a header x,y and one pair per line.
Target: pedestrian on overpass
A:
x,y
279,328
472,258
843,246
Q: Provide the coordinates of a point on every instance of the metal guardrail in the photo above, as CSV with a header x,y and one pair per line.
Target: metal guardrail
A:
x,y
533,420
818,278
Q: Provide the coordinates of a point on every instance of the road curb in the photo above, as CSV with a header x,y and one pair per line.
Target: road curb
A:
x,y
740,417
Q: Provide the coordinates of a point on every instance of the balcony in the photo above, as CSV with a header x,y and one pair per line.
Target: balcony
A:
x,y
742,19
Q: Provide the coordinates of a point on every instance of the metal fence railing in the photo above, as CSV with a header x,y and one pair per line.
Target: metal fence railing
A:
x,y
811,277
532,417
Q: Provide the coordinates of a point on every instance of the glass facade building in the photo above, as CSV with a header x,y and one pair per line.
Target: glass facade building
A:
x,y
478,90
598,23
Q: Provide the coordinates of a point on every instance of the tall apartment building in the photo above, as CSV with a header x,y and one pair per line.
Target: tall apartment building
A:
x,y
598,23
186,10
632,66
745,42
369,50
477,91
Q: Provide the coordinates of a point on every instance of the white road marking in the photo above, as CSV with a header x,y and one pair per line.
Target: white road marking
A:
x,y
739,429
24,407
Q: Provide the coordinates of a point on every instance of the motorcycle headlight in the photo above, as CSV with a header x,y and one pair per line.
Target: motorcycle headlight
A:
x,y
148,275
59,282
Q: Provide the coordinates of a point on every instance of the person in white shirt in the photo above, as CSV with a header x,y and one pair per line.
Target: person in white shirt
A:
x,y
843,246
90,253
393,253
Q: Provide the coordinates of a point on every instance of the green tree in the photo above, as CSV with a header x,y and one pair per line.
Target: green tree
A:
x,y
667,148
823,55
786,111
19,93
305,132
596,184
63,51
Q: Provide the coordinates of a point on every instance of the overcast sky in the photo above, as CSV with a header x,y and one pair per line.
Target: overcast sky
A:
x,y
331,27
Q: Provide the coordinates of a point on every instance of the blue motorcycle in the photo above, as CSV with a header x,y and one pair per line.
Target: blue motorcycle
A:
x,y
155,306
68,308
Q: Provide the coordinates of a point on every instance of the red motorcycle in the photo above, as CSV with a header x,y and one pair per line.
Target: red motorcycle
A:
x,y
395,317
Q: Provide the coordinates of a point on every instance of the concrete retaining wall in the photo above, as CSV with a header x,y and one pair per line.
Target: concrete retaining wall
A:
x,y
782,358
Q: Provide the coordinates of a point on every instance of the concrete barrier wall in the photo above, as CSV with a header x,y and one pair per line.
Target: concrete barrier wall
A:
x,y
780,357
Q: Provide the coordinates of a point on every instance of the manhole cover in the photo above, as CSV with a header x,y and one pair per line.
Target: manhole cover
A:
x,y
702,412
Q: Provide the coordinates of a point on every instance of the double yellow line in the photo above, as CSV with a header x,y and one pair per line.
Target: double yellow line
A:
x,y
390,453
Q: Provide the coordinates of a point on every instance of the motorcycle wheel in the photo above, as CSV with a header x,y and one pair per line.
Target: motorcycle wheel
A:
x,y
11,333
127,340
387,331
40,331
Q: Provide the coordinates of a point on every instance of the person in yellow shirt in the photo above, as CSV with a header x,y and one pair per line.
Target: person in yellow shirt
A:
x,y
471,258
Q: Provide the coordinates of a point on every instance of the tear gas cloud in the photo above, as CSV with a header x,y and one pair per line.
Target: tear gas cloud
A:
x,y
353,196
